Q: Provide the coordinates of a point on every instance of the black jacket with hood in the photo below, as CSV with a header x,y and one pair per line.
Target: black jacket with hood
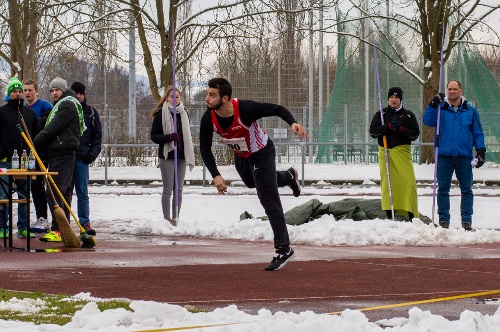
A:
x,y
91,139
61,136
409,127
10,137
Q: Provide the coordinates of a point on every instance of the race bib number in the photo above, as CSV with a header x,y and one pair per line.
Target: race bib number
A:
x,y
236,144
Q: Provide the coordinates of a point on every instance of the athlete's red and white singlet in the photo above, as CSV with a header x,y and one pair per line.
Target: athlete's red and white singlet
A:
x,y
241,139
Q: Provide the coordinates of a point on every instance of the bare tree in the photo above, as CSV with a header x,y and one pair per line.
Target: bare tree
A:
x,y
32,32
20,32
492,59
457,20
197,30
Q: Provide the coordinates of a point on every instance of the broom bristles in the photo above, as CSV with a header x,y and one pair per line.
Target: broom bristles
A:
x,y
68,236
87,241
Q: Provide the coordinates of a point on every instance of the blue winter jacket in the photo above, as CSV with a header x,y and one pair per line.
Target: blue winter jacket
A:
x,y
458,131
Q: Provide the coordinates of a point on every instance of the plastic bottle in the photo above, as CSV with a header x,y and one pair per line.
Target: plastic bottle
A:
x,y
24,160
15,160
31,161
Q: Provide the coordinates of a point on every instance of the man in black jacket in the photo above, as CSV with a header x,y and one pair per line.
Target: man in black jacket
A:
x,y
395,133
90,147
61,139
12,114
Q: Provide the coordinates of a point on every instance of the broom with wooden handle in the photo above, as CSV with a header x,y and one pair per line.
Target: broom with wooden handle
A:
x,y
87,240
68,236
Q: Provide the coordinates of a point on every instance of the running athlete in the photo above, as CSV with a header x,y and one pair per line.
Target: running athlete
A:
x,y
255,156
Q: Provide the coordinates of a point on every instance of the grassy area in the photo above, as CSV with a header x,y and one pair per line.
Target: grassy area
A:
x,y
48,309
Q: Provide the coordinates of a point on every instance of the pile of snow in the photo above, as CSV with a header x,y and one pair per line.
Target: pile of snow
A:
x,y
148,315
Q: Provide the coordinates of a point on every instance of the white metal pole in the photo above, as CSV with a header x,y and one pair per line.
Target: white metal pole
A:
x,y
388,37
132,109
279,98
320,66
311,82
367,81
328,74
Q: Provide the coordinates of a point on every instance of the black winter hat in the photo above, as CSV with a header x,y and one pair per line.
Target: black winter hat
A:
x,y
395,91
78,88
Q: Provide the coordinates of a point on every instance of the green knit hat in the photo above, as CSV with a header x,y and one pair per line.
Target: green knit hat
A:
x,y
14,84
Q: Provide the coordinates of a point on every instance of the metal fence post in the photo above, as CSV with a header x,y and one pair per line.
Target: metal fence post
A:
x,y
106,158
345,133
204,175
302,145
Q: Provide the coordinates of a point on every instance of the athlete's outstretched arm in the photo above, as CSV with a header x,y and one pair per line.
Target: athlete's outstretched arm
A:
x,y
206,137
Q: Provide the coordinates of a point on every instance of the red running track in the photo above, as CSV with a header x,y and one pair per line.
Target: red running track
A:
x,y
208,273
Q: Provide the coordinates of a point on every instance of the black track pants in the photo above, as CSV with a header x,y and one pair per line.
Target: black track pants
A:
x,y
259,171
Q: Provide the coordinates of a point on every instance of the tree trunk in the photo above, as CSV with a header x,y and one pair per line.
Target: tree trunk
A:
x,y
432,23
23,25
427,151
148,58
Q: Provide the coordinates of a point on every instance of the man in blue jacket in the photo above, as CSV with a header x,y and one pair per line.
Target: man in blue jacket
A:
x,y
41,108
460,130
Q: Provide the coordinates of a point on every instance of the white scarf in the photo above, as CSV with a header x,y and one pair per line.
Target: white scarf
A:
x,y
396,109
168,127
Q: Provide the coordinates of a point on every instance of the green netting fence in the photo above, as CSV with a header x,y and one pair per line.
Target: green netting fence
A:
x,y
482,88
346,120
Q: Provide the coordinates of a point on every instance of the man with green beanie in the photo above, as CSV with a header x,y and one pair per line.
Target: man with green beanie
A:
x,y
11,140
14,84
61,138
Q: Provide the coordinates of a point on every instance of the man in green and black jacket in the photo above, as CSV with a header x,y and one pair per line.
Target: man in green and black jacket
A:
x,y
61,138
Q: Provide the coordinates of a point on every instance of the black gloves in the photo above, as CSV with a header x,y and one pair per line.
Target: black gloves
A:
x,y
87,159
480,157
438,99
173,137
394,125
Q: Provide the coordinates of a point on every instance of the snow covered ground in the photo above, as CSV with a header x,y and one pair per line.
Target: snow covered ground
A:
x,y
134,209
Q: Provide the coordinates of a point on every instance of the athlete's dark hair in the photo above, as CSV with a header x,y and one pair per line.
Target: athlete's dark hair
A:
x,y
223,85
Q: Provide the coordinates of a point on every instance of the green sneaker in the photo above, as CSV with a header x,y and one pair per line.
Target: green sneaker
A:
x,y
23,233
53,236
4,234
